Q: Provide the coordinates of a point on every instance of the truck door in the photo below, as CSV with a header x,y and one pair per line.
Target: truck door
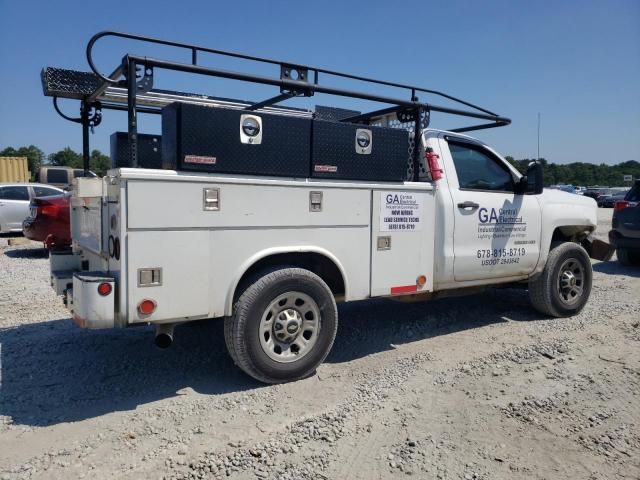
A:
x,y
496,231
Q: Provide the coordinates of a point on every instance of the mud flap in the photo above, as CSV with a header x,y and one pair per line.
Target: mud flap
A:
x,y
597,249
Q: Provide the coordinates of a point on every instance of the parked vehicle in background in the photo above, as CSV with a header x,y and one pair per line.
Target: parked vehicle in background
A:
x,y
580,190
14,169
625,231
608,197
48,221
594,192
61,177
14,202
566,188
610,200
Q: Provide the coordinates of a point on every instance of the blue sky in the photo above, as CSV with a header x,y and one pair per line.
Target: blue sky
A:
x,y
576,62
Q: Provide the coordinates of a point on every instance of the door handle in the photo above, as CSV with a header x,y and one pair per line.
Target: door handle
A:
x,y
468,204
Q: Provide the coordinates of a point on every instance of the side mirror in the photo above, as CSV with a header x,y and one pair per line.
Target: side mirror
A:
x,y
533,182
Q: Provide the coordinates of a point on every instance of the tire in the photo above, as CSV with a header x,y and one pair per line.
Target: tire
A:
x,y
627,256
624,256
228,340
553,292
283,326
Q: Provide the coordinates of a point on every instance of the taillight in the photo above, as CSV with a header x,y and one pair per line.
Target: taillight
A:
x,y
104,289
48,207
146,307
621,205
48,210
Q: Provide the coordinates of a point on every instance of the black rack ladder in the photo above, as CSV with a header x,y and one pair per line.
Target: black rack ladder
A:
x,y
124,89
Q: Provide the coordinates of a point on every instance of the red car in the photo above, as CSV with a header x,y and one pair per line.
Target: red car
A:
x,y
49,221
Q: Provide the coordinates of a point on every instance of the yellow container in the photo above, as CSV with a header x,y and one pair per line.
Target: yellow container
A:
x,y
14,169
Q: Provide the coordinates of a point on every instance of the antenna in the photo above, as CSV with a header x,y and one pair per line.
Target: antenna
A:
x,y
538,136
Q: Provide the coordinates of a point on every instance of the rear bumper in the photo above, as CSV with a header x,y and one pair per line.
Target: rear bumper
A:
x,y
91,308
618,240
47,230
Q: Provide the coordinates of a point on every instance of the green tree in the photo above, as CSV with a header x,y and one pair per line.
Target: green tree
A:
x,y
34,155
66,158
582,173
99,163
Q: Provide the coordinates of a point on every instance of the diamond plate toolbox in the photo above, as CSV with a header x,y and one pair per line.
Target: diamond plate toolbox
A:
x,y
337,154
211,139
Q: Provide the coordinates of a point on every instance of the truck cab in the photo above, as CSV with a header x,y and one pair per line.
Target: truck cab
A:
x,y
492,217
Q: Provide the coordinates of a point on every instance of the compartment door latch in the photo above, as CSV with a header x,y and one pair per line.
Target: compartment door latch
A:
x,y
211,199
315,201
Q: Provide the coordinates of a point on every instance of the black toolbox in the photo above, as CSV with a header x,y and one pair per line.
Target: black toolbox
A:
x,y
359,152
220,140
149,150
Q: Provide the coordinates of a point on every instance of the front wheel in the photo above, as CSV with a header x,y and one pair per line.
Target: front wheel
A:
x,y
564,286
283,326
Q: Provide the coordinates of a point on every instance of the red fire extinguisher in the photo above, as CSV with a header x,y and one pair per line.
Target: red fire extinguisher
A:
x,y
434,166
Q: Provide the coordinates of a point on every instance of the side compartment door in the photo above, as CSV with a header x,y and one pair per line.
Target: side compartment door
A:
x,y
496,231
402,240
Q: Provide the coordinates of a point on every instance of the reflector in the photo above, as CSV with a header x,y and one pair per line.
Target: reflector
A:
x,y
146,307
104,289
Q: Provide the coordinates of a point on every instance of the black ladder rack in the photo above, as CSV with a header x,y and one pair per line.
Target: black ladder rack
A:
x,y
130,87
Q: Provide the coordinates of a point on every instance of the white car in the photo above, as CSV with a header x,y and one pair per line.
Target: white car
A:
x,y
14,202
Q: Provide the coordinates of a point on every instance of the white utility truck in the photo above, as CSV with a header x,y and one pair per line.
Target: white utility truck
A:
x,y
267,216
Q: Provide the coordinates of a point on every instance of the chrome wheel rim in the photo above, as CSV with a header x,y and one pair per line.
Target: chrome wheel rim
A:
x,y
289,327
571,281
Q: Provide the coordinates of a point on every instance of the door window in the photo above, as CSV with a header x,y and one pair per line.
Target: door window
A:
x,y
478,170
45,191
15,192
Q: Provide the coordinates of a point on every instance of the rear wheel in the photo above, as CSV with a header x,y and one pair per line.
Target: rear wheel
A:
x,y
283,326
564,286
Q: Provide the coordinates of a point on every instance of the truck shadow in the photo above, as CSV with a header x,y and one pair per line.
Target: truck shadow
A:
x,y
53,372
366,327
616,268
27,253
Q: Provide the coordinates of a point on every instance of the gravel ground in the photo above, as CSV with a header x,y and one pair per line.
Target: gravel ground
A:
x,y
468,388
